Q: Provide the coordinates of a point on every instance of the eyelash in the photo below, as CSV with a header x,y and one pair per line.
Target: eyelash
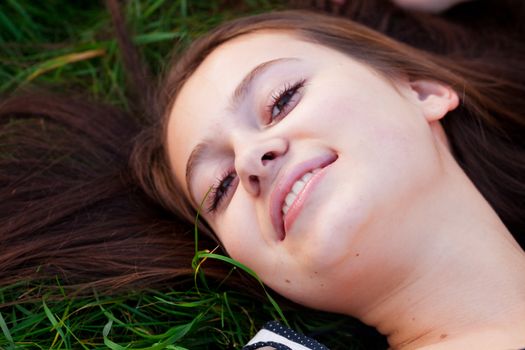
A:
x,y
219,191
215,195
288,90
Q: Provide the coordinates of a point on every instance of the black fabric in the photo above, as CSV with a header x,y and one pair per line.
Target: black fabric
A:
x,y
277,328
261,344
298,338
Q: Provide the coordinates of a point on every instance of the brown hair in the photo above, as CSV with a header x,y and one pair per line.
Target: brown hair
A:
x,y
87,193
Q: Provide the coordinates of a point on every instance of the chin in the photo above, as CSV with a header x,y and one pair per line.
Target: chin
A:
x,y
336,239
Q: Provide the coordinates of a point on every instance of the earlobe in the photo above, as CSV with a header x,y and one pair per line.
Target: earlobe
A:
x,y
435,99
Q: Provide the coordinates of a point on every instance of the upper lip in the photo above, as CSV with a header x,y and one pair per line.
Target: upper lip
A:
x,y
284,185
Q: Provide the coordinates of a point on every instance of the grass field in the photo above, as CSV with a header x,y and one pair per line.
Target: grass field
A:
x,y
64,44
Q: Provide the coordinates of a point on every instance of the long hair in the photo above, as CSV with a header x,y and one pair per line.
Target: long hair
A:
x,y
87,193
70,206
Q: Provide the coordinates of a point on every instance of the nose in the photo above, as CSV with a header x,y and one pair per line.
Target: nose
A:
x,y
258,161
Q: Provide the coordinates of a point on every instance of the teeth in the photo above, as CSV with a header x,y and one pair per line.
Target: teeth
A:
x,y
307,177
296,189
290,198
298,186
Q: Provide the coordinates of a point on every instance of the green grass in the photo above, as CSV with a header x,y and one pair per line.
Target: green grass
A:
x,y
61,45
68,44
184,319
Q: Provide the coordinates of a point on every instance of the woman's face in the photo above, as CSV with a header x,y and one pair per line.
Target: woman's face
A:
x,y
313,159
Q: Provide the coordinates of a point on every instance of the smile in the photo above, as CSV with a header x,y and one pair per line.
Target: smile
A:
x,y
297,187
292,189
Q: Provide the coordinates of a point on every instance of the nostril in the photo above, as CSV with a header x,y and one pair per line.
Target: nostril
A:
x,y
254,184
268,156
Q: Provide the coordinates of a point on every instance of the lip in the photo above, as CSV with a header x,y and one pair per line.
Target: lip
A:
x,y
284,185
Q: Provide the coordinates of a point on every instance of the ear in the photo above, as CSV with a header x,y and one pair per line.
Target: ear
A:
x,y
435,99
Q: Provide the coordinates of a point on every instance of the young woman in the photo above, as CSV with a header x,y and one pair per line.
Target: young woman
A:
x,y
326,157
353,173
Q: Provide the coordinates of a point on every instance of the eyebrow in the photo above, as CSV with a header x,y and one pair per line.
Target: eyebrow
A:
x,y
244,86
239,94
196,156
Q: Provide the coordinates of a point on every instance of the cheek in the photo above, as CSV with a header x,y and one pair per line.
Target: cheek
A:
x,y
239,232
248,240
340,111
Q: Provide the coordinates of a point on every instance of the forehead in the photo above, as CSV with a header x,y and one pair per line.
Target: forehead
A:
x,y
203,100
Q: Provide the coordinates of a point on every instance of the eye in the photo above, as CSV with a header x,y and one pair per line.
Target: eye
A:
x,y
284,100
220,190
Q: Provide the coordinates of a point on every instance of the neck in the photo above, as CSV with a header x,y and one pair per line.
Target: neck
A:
x,y
468,291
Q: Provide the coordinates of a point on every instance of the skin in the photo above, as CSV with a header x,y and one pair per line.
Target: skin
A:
x,y
385,234
432,6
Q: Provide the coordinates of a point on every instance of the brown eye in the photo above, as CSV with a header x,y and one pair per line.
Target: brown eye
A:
x,y
285,100
281,104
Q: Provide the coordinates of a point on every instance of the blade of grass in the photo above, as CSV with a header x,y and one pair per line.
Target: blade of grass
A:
x,y
153,6
28,25
150,38
6,332
205,254
61,61
238,332
8,24
54,323
173,335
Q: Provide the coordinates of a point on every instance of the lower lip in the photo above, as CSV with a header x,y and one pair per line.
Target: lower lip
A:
x,y
298,204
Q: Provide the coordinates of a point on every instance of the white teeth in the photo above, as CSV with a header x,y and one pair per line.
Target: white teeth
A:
x,y
290,198
298,186
296,189
307,177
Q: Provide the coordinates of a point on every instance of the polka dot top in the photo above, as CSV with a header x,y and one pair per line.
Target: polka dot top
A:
x,y
276,336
